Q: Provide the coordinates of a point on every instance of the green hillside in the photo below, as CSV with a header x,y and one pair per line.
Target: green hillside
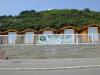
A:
x,y
53,18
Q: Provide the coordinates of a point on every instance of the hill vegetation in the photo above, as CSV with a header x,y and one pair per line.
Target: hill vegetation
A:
x,y
53,18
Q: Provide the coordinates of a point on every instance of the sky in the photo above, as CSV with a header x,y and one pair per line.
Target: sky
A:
x,y
14,7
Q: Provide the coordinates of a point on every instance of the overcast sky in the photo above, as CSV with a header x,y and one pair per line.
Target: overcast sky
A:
x,y
14,7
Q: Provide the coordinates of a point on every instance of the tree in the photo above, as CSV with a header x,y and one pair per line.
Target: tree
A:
x,y
53,18
86,10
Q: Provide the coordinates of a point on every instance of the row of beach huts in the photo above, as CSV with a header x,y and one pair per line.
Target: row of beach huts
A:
x,y
88,34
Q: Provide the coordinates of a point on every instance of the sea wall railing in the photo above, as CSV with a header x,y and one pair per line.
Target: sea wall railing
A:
x,y
43,39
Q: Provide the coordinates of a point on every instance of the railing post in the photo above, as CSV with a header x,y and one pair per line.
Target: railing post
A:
x,y
77,38
92,38
54,39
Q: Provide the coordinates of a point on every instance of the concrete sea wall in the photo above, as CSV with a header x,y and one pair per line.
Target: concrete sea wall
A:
x,y
50,51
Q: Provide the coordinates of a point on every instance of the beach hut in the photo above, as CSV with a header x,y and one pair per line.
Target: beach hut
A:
x,y
10,36
29,36
47,30
89,33
47,35
69,34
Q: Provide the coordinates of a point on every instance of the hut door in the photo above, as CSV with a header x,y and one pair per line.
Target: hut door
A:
x,y
29,37
12,37
93,33
69,35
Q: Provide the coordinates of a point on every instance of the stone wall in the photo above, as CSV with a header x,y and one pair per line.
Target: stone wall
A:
x,y
50,51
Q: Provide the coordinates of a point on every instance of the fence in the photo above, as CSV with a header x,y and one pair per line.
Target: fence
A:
x,y
42,39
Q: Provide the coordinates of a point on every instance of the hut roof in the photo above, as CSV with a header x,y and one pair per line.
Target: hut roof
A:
x,y
48,28
29,30
90,25
11,30
68,27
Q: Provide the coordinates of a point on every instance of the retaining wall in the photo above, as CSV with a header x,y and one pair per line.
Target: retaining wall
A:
x,y
50,51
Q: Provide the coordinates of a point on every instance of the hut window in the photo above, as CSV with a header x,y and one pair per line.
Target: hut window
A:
x,y
69,31
12,37
29,37
48,32
92,30
69,37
